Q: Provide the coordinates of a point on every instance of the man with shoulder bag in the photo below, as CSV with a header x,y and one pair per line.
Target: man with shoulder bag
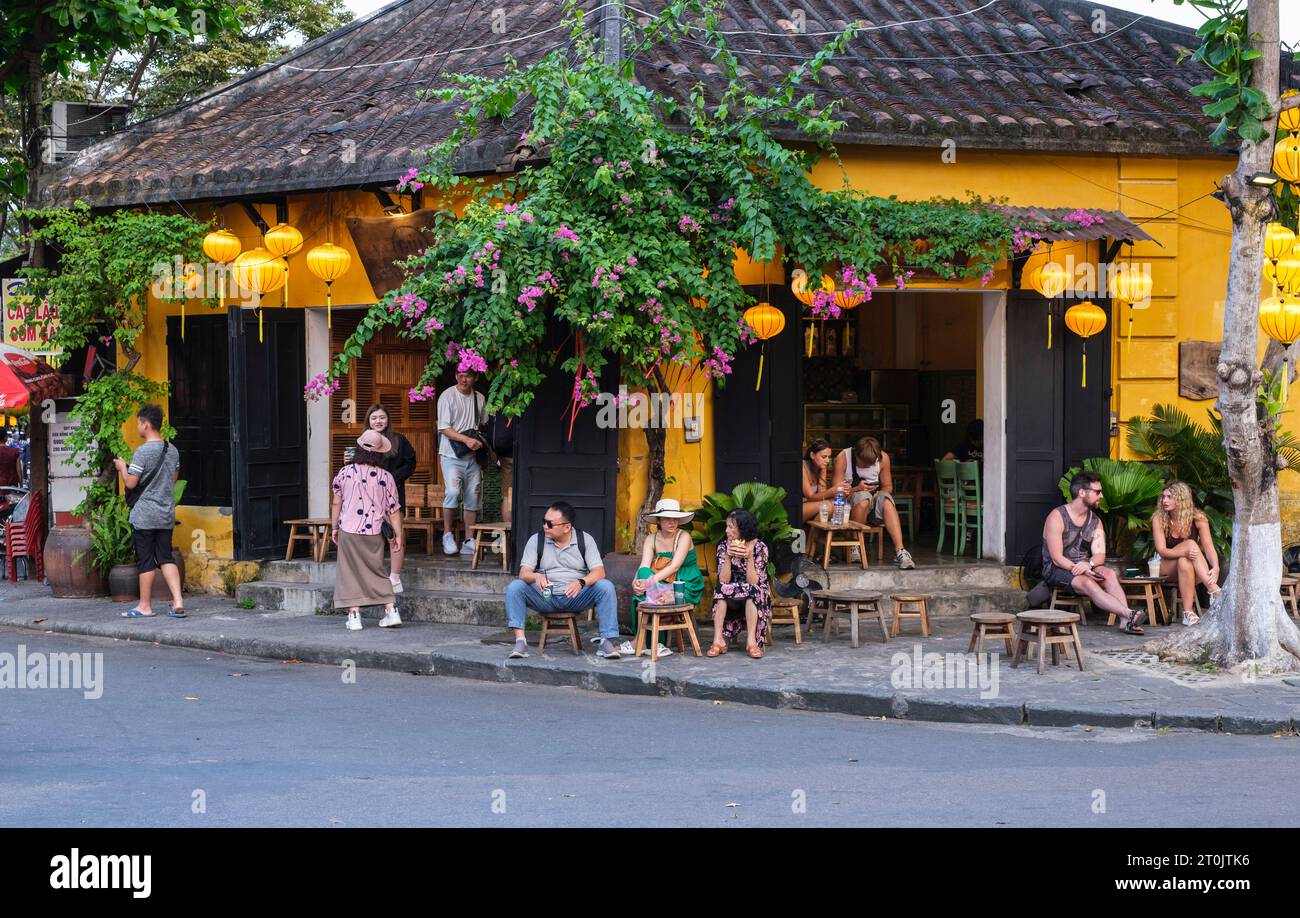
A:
x,y
149,481
460,415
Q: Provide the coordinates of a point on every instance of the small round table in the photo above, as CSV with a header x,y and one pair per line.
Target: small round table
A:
x,y
656,620
1149,590
831,603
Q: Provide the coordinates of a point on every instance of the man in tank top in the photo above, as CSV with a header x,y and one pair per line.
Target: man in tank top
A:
x,y
1074,552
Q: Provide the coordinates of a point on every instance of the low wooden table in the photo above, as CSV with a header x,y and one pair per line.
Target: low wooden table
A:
x,y
1149,590
316,534
831,603
850,535
1290,596
1046,628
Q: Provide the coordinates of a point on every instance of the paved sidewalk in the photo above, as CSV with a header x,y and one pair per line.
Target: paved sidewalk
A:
x,y
1123,686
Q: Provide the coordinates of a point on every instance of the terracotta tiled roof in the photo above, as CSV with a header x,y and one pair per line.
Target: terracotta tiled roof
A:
x,y
1098,224
341,111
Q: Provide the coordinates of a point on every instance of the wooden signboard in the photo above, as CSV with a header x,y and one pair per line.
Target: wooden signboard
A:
x,y
381,241
1197,361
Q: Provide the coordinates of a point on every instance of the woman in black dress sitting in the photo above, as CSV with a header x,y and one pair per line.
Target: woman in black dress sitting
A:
x,y
743,596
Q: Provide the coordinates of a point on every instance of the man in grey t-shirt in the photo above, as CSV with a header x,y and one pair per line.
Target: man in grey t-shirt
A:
x,y
565,573
154,468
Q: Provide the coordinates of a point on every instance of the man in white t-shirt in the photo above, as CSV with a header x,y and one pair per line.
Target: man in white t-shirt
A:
x,y
459,410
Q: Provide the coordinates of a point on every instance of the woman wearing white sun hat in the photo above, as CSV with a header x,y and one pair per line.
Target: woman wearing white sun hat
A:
x,y
668,556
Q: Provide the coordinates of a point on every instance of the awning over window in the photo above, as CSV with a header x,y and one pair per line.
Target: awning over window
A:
x,y
26,380
1113,224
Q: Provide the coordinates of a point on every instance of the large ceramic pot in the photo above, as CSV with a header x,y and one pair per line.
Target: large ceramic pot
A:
x,y
621,571
67,567
124,582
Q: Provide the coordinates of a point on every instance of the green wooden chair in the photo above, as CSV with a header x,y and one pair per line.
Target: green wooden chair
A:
x,y
945,475
904,485
971,505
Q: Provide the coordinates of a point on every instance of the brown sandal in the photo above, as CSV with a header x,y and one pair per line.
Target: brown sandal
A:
x,y
755,651
716,650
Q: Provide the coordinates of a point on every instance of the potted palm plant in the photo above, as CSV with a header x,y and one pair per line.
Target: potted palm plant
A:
x,y
1130,491
763,500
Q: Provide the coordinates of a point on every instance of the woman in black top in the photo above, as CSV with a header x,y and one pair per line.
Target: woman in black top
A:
x,y
400,463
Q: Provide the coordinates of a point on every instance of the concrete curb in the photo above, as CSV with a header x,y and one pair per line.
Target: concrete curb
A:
x,y
865,701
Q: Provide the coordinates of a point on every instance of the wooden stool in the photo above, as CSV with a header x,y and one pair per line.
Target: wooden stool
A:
x,y
558,623
911,605
1048,628
1062,599
316,534
832,603
654,619
1147,590
993,625
1291,595
1175,601
477,531
786,610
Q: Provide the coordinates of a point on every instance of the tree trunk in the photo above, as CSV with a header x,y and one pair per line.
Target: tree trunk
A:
x,y
656,440
1247,624
32,120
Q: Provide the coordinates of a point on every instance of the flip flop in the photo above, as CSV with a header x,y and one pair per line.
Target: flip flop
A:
x,y
136,613
177,613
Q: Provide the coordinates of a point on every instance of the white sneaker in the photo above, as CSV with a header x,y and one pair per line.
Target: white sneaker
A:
x,y
903,558
396,581
448,544
467,547
354,621
391,619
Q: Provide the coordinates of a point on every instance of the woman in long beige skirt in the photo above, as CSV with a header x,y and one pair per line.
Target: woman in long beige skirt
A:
x,y
365,499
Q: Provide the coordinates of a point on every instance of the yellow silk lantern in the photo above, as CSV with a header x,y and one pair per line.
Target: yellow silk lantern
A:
x,y
222,246
1049,280
1288,119
1085,320
767,322
283,240
191,281
329,262
1278,241
1285,273
1286,159
262,273
1279,317
1132,286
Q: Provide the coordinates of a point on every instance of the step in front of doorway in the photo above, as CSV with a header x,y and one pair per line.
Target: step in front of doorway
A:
x,y
885,576
417,574
448,607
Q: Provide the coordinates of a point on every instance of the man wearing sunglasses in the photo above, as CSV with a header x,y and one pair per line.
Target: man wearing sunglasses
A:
x,y
562,571
1074,553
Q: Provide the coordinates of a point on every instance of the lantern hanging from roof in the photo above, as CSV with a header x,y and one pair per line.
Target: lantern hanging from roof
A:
x,y
1133,286
222,246
262,273
1049,280
767,322
283,240
191,282
329,262
1286,159
1085,320
1278,240
1279,317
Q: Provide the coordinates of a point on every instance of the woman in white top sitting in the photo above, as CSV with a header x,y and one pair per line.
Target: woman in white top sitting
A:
x,y
865,470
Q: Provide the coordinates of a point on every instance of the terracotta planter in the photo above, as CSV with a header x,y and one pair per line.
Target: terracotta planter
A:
x,y
124,582
66,564
621,571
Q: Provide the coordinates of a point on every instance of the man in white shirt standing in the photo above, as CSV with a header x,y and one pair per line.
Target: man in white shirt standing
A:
x,y
459,410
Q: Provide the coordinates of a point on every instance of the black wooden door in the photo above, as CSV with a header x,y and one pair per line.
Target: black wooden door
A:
x,y
199,370
1035,420
270,428
552,463
1053,421
757,433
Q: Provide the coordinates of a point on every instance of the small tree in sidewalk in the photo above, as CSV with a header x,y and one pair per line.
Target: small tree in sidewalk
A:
x,y
1247,624
107,267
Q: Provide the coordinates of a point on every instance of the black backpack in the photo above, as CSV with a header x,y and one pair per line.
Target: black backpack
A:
x,y
541,547
501,436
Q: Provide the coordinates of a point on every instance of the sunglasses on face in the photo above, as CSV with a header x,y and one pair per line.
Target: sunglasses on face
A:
x,y
551,524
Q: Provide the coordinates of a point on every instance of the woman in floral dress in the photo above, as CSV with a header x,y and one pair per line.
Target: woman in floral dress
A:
x,y
743,596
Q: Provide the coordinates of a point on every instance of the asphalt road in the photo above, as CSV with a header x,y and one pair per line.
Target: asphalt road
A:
x,y
187,738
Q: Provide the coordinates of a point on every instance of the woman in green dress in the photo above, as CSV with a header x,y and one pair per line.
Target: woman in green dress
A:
x,y
668,556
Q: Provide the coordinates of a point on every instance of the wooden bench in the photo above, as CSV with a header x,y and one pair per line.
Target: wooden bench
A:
x,y
786,610
478,532
1062,599
992,625
911,605
563,624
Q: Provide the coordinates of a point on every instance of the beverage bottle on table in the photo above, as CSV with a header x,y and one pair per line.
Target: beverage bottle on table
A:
x,y
824,512
838,519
